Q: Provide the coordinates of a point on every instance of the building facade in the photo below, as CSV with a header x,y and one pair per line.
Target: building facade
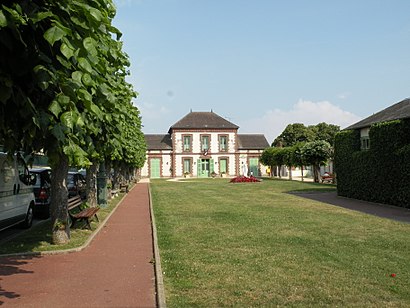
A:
x,y
203,144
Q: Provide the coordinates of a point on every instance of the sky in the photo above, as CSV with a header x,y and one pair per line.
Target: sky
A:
x,y
264,64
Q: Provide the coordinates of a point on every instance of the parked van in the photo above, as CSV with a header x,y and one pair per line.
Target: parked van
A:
x,y
16,192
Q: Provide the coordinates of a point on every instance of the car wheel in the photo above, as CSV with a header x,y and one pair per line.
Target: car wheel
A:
x,y
29,217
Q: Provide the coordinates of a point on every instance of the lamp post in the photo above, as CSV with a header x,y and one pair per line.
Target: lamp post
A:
x,y
102,186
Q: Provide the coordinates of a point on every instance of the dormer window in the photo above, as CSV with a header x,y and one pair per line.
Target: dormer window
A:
x,y
364,139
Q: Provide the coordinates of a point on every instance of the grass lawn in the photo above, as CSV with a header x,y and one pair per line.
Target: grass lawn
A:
x,y
253,245
38,238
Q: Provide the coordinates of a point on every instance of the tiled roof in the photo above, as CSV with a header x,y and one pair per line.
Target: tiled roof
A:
x,y
252,142
203,120
398,111
158,142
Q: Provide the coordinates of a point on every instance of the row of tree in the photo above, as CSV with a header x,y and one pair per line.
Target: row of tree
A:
x,y
63,91
299,145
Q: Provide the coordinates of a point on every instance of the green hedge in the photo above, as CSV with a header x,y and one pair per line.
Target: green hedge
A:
x,y
380,174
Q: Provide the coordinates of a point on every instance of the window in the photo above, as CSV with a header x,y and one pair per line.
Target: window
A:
x,y
365,143
223,145
187,165
204,143
187,143
364,138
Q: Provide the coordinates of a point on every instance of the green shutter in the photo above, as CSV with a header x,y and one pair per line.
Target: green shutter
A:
x,y
198,169
211,165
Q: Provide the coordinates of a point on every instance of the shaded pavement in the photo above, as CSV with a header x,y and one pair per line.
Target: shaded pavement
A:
x,y
113,271
381,210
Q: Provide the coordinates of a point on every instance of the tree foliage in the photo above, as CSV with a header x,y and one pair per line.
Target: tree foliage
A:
x,y
298,132
316,153
63,88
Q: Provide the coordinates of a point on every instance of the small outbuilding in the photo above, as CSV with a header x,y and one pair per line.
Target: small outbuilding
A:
x,y
372,157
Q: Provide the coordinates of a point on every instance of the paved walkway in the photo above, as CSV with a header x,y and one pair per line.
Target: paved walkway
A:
x,y
381,210
113,271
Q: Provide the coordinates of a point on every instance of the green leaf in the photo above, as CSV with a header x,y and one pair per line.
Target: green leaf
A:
x,y
54,34
55,108
85,65
90,45
68,119
85,95
66,51
80,121
41,15
87,80
77,76
63,100
3,20
58,132
97,111
96,14
79,22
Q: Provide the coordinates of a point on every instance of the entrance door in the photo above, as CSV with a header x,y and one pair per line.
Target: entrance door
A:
x,y
155,168
223,166
254,166
204,169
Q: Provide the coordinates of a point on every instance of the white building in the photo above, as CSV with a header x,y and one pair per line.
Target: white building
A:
x,y
202,144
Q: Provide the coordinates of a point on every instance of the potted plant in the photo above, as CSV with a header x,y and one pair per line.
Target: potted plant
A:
x,y
223,174
186,174
213,174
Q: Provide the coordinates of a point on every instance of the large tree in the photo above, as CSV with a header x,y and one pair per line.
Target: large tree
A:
x,y
62,86
316,153
292,134
325,131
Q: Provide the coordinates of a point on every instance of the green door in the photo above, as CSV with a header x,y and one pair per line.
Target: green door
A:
x,y
222,166
203,168
155,168
254,166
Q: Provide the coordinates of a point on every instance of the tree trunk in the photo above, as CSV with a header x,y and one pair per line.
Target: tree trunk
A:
x,y
290,172
302,173
316,173
59,197
91,179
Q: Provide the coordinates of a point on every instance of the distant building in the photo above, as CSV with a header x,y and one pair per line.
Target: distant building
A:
x,y
203,144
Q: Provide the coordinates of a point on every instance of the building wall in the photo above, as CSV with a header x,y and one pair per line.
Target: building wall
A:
x,y
172,161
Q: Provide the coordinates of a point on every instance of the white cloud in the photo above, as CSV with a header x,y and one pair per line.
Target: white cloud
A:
x,y
273,122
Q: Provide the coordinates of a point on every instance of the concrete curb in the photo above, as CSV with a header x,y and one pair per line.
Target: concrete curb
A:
x,y
66,251
159,281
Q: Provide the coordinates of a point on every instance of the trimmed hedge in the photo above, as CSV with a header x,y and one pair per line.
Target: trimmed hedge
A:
x,y
380,174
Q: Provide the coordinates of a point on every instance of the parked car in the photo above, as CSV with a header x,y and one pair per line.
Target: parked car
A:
x,y
76,185
16,192
42,192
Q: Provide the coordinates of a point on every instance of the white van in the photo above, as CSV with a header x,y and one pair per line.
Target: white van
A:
x,y
16,192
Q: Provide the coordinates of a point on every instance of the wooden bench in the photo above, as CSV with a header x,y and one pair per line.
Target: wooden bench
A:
x,y
124,187
85,214
327,178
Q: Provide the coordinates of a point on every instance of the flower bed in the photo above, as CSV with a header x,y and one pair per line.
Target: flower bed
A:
x,y
244,179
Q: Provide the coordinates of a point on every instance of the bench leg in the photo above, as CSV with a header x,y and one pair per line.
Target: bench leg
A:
x,y
88,223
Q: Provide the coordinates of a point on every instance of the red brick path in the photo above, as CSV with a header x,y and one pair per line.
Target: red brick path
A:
x,y
114,271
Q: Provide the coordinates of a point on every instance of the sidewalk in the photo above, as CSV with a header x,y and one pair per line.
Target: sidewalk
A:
x,y
113,271
382,210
